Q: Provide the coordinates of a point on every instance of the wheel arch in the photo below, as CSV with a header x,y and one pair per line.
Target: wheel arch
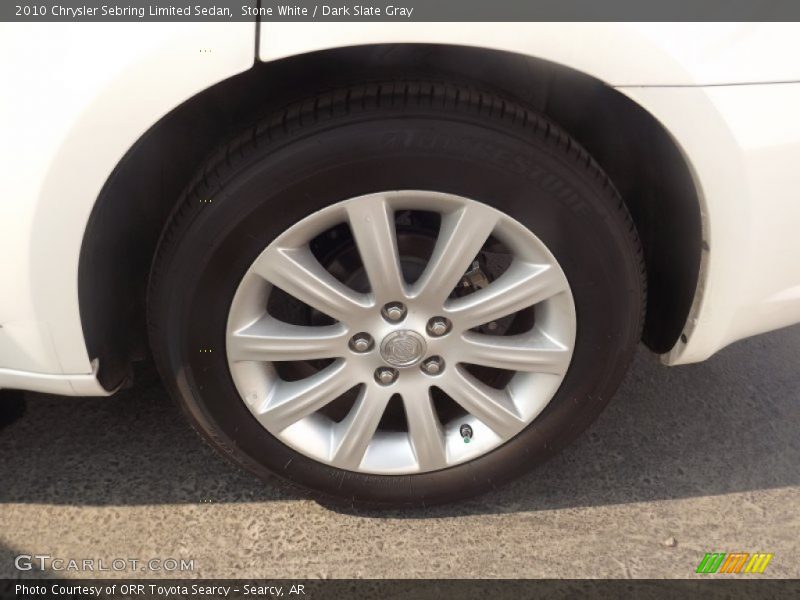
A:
x,y
639,155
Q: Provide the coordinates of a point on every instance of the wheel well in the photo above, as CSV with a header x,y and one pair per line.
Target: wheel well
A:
x,y
133,206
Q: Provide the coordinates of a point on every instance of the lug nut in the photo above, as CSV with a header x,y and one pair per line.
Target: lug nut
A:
x,y
394,311
433,365
361,342
438,326
385,375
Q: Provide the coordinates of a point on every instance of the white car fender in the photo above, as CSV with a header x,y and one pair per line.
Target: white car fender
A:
x,y
84,93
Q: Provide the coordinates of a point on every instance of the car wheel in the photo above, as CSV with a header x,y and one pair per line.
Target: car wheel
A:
x,y
397,294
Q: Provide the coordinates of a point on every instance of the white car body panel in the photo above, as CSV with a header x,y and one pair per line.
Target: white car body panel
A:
x,y
616,53
85,93
749,185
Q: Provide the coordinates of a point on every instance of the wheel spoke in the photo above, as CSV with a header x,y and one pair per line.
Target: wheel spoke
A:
x,y
271,340
461,236
534,352
372,224
298,273
521,286
353,435
425,432
493,407
291,401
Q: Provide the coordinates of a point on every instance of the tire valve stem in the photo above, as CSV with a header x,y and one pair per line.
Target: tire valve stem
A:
x,y
466,433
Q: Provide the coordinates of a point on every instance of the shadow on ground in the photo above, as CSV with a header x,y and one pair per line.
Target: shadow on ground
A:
x,y
727,425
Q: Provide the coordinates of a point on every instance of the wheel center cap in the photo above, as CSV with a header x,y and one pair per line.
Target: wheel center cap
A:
x,y
403,348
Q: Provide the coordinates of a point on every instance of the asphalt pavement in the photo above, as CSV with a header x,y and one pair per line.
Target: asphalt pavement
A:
x,y
684,461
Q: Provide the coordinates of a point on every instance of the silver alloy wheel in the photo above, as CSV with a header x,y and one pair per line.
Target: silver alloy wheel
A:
x,y
418,357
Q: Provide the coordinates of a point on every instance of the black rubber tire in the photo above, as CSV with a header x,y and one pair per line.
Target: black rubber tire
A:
x,y
12,407
385,136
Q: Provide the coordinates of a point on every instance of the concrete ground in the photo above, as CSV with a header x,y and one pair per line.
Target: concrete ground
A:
x,y
684,461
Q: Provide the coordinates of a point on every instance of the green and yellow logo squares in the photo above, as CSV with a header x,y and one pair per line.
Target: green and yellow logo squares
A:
x,y
734,562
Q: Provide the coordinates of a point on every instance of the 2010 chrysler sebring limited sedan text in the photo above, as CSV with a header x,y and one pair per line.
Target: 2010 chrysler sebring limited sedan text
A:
x,y
395,264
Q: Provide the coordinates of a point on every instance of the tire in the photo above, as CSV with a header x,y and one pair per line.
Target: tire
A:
x,y
12,407
373,138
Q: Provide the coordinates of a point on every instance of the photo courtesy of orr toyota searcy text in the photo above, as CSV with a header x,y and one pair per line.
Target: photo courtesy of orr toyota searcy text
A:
x,y
160,590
